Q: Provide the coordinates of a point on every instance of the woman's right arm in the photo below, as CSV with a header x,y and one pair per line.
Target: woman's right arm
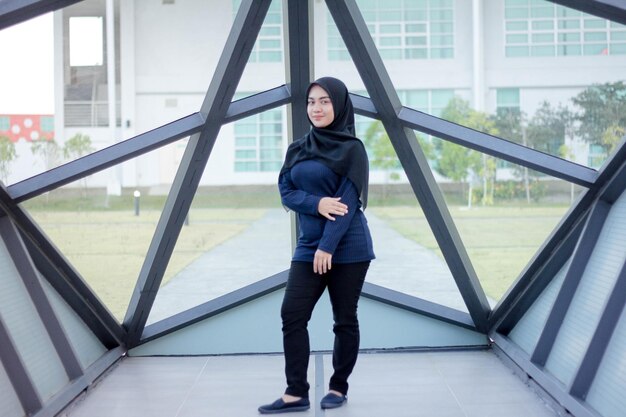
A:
x,y
295,199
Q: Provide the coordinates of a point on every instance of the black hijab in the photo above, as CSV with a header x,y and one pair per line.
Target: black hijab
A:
x,y
334,145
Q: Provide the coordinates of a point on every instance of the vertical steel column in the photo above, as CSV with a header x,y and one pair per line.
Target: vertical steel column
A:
x,y
299,71
380,88
27,272
227,74
580,257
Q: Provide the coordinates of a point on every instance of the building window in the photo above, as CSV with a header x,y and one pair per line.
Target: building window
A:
x,y
86,41
47,124
402,29
507,98
259,142
269,44
597,155
541,28
5,123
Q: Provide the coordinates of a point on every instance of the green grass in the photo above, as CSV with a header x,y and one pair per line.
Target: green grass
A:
x,y
107,243
108,248
499,240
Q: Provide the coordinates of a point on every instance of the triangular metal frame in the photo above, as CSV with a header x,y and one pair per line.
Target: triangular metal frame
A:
x,y
217,109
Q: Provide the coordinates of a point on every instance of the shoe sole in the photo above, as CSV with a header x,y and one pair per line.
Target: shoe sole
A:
x,y
333,405
286,410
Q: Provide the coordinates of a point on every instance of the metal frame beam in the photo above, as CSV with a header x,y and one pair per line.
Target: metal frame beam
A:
x,y
17,373
614,10
227,74
546,381
602,336
61,274
577,213
517,308
60,401
498,147
278,281
580,258
418,305
13,12
214,307
105,158
28,273
364,54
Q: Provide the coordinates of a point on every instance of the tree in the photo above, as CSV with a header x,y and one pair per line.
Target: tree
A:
x,y
7,155
459,163
48,149
383,155
75,147
602,114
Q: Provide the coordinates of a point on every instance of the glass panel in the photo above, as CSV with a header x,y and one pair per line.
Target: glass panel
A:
x,y
408,256
266,68
503,212
94,227
28,51
236,233
27,332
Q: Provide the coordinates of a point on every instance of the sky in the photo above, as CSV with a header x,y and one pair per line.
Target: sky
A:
x,y
26,68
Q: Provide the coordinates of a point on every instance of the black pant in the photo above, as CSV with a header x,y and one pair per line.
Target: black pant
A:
x,y
304,288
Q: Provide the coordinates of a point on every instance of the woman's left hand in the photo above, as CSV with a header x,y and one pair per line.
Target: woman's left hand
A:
x,y
322,262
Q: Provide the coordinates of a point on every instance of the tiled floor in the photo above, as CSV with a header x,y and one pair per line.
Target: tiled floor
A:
x,y
429,384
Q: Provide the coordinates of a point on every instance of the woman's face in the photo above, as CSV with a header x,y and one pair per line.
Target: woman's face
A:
x,y
320,107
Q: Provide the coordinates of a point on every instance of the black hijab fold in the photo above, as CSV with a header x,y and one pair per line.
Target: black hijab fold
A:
x,y
335,145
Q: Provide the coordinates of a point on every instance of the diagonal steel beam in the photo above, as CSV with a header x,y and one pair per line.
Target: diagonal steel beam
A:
x,y
141,144
602,336
13,12
365,56
500,148
614,10
17,373
61,274
574,274
257,103
27,271
611,179
105,158
235,54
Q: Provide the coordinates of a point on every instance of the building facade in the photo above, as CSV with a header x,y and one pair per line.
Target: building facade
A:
x,y
154,60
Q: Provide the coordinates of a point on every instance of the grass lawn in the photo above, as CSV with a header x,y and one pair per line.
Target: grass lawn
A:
x,y
499,240
108,248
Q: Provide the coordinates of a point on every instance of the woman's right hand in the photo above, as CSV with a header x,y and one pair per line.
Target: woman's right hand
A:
x,y
329,206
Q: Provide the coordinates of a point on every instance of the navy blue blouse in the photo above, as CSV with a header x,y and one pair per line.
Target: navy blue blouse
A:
x,y
347,238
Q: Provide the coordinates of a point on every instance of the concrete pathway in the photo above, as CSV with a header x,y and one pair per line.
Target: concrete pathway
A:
x,y
264,249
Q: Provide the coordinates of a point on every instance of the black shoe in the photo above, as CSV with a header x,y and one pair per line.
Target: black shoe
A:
x,y
331,400
279,406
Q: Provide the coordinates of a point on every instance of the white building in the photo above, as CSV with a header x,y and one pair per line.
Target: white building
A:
x,y
493,53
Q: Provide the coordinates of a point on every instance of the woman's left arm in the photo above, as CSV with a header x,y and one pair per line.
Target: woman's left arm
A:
x,y
334,230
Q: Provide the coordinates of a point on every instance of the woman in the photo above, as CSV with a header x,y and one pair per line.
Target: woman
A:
x,y
324,180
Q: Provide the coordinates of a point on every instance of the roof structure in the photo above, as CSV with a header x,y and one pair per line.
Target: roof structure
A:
x,y
532,324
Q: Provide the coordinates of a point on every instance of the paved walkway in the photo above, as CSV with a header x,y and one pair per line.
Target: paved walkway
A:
x,y
264,249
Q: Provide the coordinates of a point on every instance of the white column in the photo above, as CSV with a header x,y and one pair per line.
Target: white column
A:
x,y
126,12
478,61
59,79
114,186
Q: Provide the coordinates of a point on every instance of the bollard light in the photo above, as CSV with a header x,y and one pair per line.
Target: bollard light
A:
x,y
137,194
